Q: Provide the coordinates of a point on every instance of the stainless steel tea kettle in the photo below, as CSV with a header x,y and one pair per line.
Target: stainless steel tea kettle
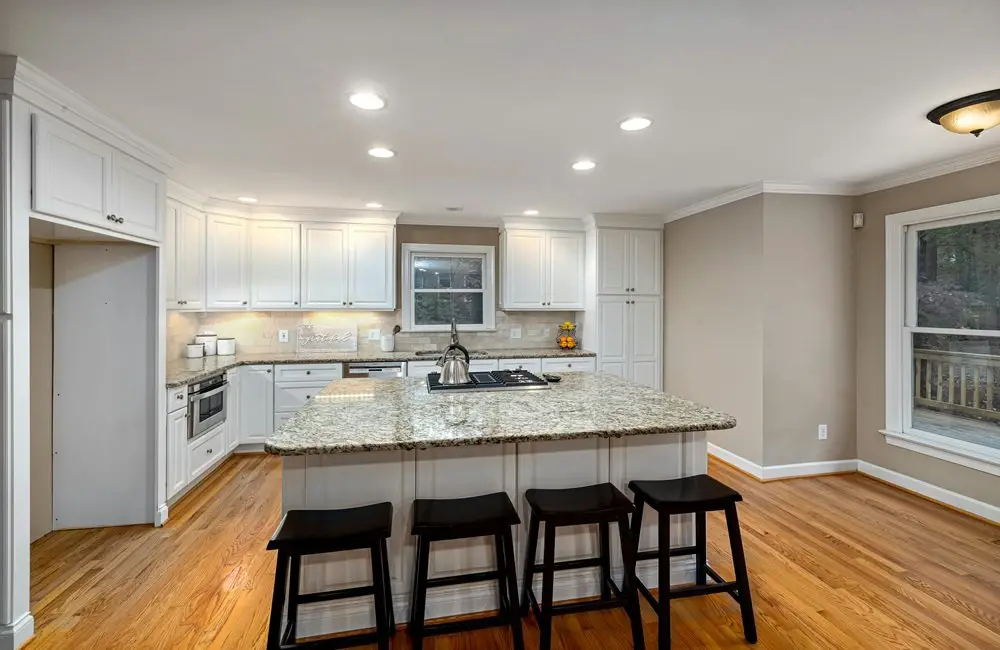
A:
x,y
454,369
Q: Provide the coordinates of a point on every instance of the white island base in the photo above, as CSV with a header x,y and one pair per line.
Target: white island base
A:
x,y
353,479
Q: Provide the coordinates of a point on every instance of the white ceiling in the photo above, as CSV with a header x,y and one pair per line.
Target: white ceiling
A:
x,y
490,102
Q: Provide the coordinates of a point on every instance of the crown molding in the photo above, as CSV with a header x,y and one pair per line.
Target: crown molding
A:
x,y
740,193
41,90
457,220
940,168
536,223
631,221
826,189
186,195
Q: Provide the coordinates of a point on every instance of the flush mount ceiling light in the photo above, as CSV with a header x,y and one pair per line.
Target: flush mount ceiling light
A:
x,y
584,165
246,199
367,101
973,114
531,213
635,123
373,205
381,152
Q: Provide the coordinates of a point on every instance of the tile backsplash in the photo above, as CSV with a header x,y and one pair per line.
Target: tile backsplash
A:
x,y
257,331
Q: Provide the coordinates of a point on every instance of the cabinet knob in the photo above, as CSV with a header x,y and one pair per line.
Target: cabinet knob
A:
x,y
569,365
269,371
208,451
296,302
309,372
349,304
244,302
180,396
309,396
111,217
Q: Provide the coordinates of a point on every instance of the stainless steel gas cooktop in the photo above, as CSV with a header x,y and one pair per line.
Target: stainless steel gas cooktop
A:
x,y
492,380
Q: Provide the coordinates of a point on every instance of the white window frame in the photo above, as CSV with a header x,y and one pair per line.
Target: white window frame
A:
x,y
900,323
488,253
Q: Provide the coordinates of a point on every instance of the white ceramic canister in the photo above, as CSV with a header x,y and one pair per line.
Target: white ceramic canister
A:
x,y
388,343
226,347
195,350
210,340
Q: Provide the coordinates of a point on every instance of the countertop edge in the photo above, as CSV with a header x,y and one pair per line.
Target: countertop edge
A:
x,y
717,425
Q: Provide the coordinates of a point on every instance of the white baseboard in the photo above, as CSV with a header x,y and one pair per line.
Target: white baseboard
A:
x,y
773,472
357,613
939,494
250,448
17,634
162,515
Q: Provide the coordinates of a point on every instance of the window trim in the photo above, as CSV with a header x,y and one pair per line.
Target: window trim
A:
x,y
453,250
898,353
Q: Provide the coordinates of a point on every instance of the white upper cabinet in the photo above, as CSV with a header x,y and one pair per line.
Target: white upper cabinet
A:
x,y
372,267
78,177
274,265
227,267
629,262
542,270
169,252
324,265
190,264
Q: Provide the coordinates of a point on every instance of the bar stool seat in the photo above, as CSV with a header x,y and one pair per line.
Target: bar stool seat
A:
x,y
437,520
695,495
308,532
601,504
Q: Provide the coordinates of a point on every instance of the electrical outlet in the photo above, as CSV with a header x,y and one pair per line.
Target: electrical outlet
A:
x,y
282,336
822,432
374,335
515,332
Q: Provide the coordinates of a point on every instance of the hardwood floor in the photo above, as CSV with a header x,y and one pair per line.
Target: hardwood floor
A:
x,y
835,562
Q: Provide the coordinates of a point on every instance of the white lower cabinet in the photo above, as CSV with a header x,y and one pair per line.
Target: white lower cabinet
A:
x,y
256,404
281,418
576,364
177,451
233,400
295,385
206,451
629,337
531,365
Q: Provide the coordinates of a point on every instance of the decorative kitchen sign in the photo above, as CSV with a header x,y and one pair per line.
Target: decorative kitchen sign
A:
x,y
326,338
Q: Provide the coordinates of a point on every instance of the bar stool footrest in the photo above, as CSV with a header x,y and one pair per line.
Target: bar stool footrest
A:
x,y
719,586
468,625
674,552
353,641
616,600
463,579
337,594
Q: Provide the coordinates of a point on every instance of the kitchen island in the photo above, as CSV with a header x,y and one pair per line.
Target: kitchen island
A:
x,y
361,441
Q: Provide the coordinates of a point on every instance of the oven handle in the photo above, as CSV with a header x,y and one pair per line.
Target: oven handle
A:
x,y
195,397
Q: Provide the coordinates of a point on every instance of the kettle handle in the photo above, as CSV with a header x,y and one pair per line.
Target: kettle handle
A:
x,y
458,346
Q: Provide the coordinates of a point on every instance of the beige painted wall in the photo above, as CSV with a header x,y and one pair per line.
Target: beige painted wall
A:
x,y
808,311
41,283
712,318
869,279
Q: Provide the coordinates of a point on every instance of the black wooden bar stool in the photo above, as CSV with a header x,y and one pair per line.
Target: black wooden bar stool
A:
x,y
692,495
307,532
603,505
437,520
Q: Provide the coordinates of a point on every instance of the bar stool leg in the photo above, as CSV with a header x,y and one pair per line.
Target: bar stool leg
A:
x,y
416,626
505,542
388,589
701,549
548,575
378,583
529,566
742,579
503,602
277,602
295,573
604,535
637,521
629,589
663,582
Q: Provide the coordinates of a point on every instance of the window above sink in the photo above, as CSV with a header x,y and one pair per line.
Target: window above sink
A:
x,y
444,282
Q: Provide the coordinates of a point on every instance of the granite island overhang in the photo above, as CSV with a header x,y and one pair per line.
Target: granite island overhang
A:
x,y
362,441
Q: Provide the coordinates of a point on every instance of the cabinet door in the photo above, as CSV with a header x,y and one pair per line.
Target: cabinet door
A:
x,y
523,277
71,172
645,341
177,452
372,267
531,365
256,404
137,197
324,265
645,267
612,261
274,265
227,268
565,270
421,368
170,237
234,409
191,258
612,330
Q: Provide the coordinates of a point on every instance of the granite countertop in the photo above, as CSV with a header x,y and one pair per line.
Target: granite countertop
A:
x,y
186,371
352,415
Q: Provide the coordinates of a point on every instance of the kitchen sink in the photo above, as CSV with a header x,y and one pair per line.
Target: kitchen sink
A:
x,y
438,353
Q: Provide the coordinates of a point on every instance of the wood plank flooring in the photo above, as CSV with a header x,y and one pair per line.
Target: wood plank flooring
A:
x,y
835,562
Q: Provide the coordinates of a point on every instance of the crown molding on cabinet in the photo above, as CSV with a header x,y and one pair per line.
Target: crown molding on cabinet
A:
x,y
540,223
186,195
459,220
941,168
21,79
630,221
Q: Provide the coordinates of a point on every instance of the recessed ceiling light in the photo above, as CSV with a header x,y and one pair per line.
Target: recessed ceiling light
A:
x,y
584,165
373,205
367,101
381,152
635,124
531,213
246,199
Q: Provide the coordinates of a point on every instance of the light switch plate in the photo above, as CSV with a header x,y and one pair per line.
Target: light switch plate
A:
x,y
282,336
374,335
515,332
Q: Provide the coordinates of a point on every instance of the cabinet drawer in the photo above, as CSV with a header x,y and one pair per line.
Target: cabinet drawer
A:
x,y
291,397
207,451
308,372
483,365
421,368
583,364
531,365
281,418
176,398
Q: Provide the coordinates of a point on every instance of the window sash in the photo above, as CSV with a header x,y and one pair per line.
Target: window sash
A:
x,y
414,252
